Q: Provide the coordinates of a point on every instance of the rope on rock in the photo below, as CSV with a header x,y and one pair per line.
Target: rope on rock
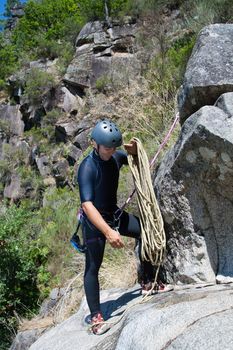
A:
x,y
152,227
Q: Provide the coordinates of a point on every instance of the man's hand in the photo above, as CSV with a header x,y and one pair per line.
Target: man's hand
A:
x,y
131,147
114,238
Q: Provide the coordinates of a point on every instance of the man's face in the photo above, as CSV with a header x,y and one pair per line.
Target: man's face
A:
x,y
105,153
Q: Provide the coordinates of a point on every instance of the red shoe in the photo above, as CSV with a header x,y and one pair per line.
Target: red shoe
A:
x,y
147,288
160,287
98,326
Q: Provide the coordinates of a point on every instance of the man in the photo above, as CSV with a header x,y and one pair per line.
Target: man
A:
x,y
98,177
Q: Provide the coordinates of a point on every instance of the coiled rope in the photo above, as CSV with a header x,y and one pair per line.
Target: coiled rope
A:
x,y
152,227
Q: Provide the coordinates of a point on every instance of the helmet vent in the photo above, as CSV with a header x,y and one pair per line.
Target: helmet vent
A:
x,y
105,127
110,130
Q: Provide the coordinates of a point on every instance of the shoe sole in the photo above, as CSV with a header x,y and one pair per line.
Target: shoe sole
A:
x,y
159,291
103,329
149,292
165,290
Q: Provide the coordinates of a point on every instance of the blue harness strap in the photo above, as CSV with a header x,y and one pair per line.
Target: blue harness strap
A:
x,y
75,240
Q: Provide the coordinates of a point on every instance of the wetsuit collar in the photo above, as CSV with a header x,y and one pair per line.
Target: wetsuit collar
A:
x,y
95,155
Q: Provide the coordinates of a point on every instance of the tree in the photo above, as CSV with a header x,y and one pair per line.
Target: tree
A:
x,y
7,58
45,19
93,10
9,5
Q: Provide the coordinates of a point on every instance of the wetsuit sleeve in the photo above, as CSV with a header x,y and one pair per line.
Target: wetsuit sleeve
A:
x,y
121,158
86,181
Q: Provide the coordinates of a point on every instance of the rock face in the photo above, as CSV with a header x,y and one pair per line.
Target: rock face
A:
x,y
11,118
69,103
13,190
23,340
184,319
194,187
104,53
209,72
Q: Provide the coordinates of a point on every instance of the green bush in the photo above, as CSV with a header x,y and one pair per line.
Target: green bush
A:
x,y
18,268
102,82
66,55
57,222
178,55
8,5
46,17
199,13
8,58
35,254
37,84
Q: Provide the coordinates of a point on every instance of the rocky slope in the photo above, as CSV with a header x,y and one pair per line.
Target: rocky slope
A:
x,y
188,318
193,185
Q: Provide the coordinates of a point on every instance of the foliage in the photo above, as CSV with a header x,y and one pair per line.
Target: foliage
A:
x,y
34,254
18,266
102,82
57,221
37,84
92,10
199,13
9,4
66,54
8,58
48,29
178,55
164,75
45,18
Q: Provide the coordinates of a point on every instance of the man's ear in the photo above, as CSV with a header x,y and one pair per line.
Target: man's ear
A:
x,y
94,144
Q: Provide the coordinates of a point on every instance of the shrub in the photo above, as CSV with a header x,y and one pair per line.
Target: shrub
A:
x,y
199,13
66,54
18,267
102,82
37,84
8,58
47,17
57,222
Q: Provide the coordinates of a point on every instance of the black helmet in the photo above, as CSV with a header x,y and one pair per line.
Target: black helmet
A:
x,y
106,133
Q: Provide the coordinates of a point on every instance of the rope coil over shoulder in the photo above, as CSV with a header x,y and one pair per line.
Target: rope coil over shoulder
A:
x,y
152,228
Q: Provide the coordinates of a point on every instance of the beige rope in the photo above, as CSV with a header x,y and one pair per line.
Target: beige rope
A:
x,y
153,235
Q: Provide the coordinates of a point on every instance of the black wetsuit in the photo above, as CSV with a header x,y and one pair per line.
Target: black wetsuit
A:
x,y
98,183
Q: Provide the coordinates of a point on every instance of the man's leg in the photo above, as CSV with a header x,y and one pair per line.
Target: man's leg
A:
x,y
95,243
130,227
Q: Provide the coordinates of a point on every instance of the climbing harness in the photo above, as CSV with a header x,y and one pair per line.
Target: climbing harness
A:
x,y
113,222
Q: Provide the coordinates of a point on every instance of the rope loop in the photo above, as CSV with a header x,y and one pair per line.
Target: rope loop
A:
x,y
152,227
